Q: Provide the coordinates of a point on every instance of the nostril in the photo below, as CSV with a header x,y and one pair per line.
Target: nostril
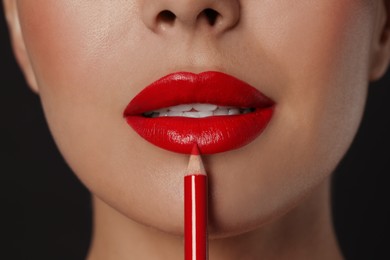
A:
x,y
211,15
166,16
190,17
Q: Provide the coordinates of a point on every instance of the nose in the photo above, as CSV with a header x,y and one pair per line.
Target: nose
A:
x,y
216,15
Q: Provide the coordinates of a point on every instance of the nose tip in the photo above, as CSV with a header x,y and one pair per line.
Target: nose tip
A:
x,y
219,15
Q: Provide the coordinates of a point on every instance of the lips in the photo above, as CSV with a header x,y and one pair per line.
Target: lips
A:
x,y
215,131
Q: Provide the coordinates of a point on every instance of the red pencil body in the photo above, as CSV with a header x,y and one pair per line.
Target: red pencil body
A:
x,y
195,217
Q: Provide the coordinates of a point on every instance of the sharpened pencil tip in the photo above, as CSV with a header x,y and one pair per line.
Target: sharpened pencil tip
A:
x,y
195,149
195,163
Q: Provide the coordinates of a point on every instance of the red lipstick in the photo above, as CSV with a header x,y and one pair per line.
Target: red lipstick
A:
x,y
212,134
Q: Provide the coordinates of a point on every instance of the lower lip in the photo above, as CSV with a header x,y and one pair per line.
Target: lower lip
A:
x,y
213,134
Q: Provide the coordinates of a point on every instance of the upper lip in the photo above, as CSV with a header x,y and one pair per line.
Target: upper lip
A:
x,y
207,87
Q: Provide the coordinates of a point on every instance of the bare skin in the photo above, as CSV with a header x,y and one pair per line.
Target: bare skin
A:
x,y
306,232
270,199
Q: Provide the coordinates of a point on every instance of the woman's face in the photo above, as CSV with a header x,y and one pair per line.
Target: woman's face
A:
x,y
312,58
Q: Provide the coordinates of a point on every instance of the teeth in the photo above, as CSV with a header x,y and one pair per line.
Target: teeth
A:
x,y
204,107
234,111
162,112
198,114
206,114
192,114
221,111
175,113
197,111
181,108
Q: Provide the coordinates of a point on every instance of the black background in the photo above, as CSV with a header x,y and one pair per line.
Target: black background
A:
x,y
46,213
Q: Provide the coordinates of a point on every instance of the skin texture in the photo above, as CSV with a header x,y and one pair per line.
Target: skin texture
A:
x,y
88,59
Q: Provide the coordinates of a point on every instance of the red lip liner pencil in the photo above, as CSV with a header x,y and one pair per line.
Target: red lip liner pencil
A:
x,y
195,209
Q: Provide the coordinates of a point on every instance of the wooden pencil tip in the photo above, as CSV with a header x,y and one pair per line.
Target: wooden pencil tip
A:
x,y
195,163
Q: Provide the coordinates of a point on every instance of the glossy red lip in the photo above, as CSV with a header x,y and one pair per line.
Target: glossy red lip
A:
x,y
213,134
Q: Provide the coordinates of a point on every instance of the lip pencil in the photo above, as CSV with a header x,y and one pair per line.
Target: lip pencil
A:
x,y
195,209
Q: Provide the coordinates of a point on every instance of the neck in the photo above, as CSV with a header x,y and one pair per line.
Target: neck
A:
x,y
306,232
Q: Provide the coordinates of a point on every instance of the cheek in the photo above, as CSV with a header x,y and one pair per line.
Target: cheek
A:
x,y
65,38
323,50
68,42
327,65
318,53
86,58
71,46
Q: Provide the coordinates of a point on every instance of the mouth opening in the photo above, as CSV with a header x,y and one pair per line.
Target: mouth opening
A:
x,y
197,110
